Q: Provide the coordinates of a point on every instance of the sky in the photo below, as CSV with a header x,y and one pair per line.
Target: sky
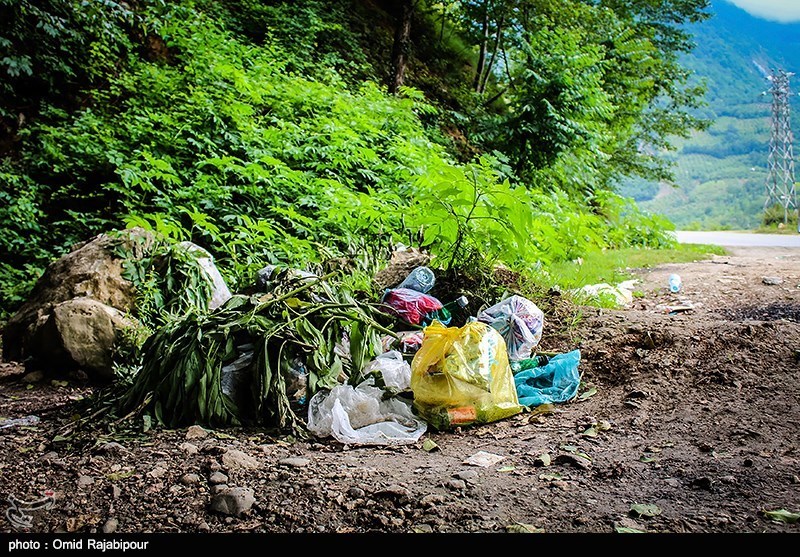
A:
x,y
784,11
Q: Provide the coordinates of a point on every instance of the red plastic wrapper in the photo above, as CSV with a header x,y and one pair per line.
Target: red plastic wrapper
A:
x,y
409,305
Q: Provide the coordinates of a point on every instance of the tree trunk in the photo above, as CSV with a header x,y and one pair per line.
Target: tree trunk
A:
x,y
401,46
476,84
497,38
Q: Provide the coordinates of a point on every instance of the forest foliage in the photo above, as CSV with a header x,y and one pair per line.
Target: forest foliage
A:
x,y
265,131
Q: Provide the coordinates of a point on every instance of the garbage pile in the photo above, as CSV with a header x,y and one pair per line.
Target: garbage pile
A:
x,y
303,354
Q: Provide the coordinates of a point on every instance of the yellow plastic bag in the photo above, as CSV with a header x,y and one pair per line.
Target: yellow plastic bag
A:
x,y
461,376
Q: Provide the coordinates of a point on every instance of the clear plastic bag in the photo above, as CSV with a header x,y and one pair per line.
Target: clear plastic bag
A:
x,y
359,416
395,370
461,376
520,322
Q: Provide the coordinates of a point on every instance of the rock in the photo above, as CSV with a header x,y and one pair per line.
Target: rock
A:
x,y
470,476
218,488
295,462
110,526
218,478
702,483
203,527
90,271
672,482
422,528
33,377
85,481
574,460
402,262
113,448
233,501
189,448
196,432
157,472
356,492
772,281
80,334
431,500
795,479
115,492
233,459
457,485
190,479
395,491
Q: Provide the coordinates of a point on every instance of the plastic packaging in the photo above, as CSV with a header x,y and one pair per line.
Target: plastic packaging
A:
x,y
396,372
236,376
220,293
674,283
556,381
420,279
520,322
359,416
461,376
270,273
412,306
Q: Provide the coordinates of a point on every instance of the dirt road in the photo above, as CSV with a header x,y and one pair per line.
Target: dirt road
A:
x,y
696,416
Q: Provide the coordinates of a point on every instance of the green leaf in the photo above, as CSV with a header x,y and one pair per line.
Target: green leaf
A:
x,y
782,515
507,469
591,431
587,394
645,510
147,423
647,459
429,445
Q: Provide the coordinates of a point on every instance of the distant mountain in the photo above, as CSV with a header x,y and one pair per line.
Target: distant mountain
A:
x,y
721,173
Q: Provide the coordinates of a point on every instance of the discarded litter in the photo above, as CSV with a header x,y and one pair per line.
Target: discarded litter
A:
x,y
359,416
396,372
420,279
483,459
674,283
414,307
461,376
520,322
6,423
406,342
557,381
622,293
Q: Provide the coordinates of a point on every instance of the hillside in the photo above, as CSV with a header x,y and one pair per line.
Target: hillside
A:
x,y
720,173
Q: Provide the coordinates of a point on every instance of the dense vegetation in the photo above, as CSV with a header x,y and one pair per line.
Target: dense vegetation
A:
x,y
721,173
487,131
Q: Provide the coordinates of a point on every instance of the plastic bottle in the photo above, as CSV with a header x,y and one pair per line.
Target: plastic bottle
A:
x,y
674,283
420,279
445,315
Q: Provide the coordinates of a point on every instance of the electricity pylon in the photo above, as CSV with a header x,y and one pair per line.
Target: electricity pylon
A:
x,y
780,162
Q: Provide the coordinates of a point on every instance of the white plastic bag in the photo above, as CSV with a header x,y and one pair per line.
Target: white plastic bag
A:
x,y
358,416
395,370
520,322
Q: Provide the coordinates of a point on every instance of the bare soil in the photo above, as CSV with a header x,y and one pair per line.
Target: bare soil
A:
x,y
702,405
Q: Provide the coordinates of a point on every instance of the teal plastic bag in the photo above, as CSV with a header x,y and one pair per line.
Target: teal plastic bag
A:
x,y
557,381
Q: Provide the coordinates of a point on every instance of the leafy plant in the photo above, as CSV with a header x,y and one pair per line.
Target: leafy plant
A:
x,y
183,380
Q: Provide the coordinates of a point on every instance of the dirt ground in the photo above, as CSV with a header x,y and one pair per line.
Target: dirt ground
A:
x,y
696,415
